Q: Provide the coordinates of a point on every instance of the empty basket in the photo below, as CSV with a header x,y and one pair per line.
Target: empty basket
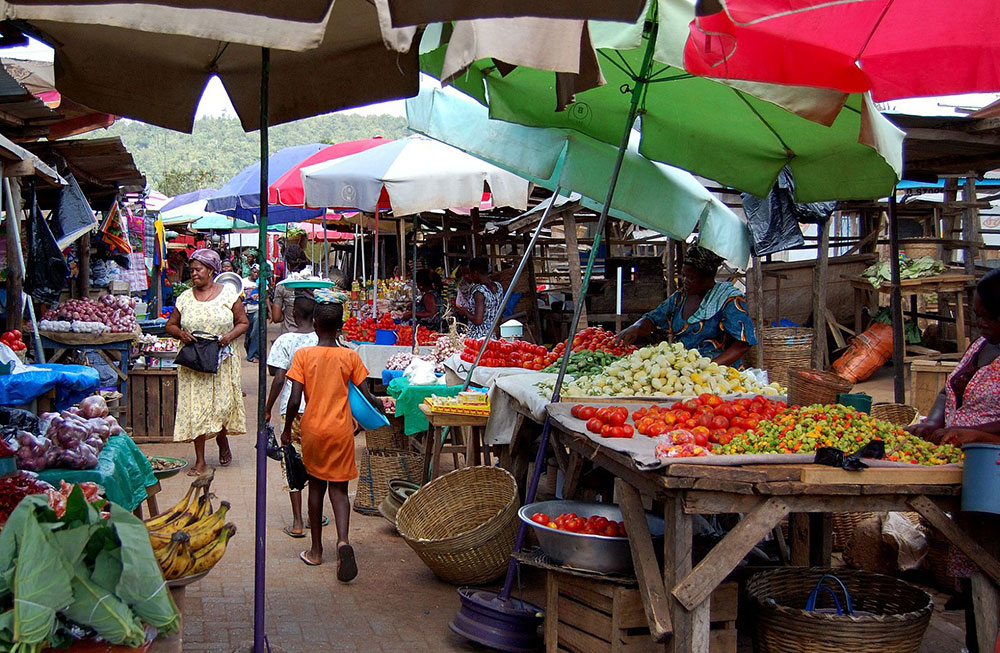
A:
x,y
808,387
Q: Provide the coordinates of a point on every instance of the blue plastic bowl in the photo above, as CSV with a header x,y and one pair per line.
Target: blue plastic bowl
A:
x,y
367,417
385,337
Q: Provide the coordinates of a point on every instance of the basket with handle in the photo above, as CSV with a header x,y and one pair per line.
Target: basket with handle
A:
x,y
899,414
463,524
807,387
376,470
837,611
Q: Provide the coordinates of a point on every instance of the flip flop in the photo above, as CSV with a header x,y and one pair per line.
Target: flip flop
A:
x,y
290,533
303,558
326,522
227,459
347,567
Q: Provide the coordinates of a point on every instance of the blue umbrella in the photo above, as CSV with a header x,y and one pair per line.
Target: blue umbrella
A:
x,y
187,198
240,196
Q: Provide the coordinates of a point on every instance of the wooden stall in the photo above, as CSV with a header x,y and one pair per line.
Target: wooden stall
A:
x,y
152,404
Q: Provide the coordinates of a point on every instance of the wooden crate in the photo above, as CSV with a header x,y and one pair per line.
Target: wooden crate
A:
x,y
584,615
927,378
152,404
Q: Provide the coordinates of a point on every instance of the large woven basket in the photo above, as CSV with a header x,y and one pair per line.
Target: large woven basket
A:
x,y
376,470
807,387
890,615
845,523
782,349
462,524
388,438
899,414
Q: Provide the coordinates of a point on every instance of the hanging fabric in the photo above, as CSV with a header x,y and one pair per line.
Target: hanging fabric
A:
x,y
113,231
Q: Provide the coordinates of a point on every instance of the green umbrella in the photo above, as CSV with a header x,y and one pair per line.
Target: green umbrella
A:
x,y
220,222
698,124
649,194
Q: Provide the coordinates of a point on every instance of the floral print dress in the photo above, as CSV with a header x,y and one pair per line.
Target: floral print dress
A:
x,y
208,403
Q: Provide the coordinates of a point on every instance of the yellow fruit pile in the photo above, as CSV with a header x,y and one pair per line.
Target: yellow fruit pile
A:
x,y
190,538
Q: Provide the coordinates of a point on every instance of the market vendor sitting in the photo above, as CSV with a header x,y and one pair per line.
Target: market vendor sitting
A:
x,y
430,304
967,409
708,316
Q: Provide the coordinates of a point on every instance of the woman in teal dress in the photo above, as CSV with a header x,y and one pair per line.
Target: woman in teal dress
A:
x,y
704,315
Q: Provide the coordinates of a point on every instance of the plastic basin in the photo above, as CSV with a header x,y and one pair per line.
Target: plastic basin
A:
x,y
367,417
981,478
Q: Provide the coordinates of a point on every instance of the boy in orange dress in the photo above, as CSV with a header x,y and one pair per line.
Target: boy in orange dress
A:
x,y
323,373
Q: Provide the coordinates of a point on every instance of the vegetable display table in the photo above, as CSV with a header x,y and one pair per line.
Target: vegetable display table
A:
x,y
71,383
676,597
122,470
471,429
409,398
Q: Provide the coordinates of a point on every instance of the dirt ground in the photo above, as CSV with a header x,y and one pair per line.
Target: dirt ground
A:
x,y
396,604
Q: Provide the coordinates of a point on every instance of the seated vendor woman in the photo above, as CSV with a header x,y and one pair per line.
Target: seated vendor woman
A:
x,y
968,408
430,305
704,315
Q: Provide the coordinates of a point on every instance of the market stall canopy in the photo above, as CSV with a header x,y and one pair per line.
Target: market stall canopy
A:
x,y
415,174
948,145
13,154
240,196
155,200
893,48
187,198
650,194
703,126
216,222
102,166
287,191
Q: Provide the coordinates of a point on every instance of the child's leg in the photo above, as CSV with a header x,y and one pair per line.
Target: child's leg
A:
x,y
295,497
317,489
341,510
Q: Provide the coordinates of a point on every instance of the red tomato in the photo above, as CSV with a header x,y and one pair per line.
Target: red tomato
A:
x,y
682,415
701,438
611,530
725,438
627,430
720,422
575,410
751,422
739,423
587,412
606,431
691,405
540,518
725,410
655,429
594,425
705,419
617,419
575,525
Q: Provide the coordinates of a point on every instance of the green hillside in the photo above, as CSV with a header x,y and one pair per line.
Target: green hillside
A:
x,y
218,148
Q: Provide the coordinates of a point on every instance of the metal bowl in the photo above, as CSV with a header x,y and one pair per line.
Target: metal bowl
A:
x,y
607,555
162,474
231,279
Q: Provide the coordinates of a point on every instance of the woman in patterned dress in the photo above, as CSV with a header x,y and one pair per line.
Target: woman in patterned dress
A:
x,y
968,410
209,405
482,302
708,316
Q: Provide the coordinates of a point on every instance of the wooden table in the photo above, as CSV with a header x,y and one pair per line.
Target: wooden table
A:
x,y
941,284
471,429
676,597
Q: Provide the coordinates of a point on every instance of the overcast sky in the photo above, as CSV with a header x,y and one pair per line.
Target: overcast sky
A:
x,y
215,102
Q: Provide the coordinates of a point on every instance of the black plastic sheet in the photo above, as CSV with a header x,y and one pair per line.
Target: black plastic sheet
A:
x,y
46,269
834,457
774,220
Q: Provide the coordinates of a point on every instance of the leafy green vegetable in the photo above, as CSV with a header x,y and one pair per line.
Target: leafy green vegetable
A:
x,y
101,610
910,268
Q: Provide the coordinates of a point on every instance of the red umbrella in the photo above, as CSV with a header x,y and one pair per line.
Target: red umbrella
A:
x,y
287,190
893,48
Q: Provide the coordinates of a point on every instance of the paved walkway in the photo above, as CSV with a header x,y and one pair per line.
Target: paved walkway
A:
x,y
396,604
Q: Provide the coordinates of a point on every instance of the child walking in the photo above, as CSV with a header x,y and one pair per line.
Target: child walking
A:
x,y
279,359
323,374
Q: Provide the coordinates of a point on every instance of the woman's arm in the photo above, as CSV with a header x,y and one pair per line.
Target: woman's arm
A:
x,y
427,308
961,436
643,328
294,399
240,324
732,353
932,423
479,314
276,313
173,327
372,399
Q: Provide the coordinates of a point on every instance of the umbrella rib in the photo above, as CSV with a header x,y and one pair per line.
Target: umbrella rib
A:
x,y
764,122
623,66
875,27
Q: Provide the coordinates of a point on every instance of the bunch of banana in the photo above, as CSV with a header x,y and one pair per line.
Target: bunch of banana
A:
x,y
190,538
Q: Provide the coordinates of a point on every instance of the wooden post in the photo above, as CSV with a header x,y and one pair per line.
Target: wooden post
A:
x,y
970,227
536,319
83,281
948,228
474,214
896,301
445,237
757,271
819,296
668,265
690,626
401,228
15,274
573,259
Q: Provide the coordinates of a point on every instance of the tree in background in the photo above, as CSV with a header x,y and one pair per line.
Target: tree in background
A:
x,y
175,182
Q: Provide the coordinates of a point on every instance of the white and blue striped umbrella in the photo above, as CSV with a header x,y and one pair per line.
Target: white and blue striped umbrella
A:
x,y
410,175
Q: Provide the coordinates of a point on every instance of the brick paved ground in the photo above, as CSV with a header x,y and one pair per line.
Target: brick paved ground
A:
x,y
396,604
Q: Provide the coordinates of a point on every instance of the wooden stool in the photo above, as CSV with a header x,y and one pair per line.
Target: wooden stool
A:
x,y
151,504
464,437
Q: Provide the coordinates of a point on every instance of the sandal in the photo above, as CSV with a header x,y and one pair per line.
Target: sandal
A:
x,y
324,523
303,558
290,533
226,459
347,566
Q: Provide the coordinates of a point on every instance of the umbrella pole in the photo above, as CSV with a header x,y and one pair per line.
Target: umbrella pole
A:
x,y
896,299
260,520
326,251
413,313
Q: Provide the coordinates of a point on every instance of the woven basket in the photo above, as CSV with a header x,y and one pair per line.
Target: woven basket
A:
x,y
844,524
807,387
917,250
377,469
388,438
462,524
784,349
899,414
891,616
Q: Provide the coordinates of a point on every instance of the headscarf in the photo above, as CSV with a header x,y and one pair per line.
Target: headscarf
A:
x,y
209,258
329,296
703,260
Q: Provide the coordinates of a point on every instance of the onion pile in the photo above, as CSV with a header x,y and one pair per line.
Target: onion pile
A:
x,y
399,361
117,312
72,439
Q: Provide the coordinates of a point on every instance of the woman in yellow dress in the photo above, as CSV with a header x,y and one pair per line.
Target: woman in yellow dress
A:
x,y
209,405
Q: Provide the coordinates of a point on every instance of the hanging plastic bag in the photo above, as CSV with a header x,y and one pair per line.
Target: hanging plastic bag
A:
x,y
774,220
47,270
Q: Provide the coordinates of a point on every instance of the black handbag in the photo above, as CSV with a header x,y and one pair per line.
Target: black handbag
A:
x,y
202,355
295,469
271,448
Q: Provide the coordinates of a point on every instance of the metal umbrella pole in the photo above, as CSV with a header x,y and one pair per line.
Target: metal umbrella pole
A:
x,y
413,280
896,299
260,520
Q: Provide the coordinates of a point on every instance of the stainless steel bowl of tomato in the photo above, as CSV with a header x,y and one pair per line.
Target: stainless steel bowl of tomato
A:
x,y
573,544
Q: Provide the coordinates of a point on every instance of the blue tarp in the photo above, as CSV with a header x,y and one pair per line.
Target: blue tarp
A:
x,y
72,383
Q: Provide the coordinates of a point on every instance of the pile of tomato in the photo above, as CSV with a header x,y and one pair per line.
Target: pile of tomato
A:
x,y
425,337
505,353
608,422
595,339
13,340
572,523
711,419
364,330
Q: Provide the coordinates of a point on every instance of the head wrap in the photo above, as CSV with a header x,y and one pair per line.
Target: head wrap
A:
x,y
329,296
209,258
703,260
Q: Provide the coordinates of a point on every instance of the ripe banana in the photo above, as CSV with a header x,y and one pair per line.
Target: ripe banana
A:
x,y
165,553
164,517
204,531
189,516
180,563
209,556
